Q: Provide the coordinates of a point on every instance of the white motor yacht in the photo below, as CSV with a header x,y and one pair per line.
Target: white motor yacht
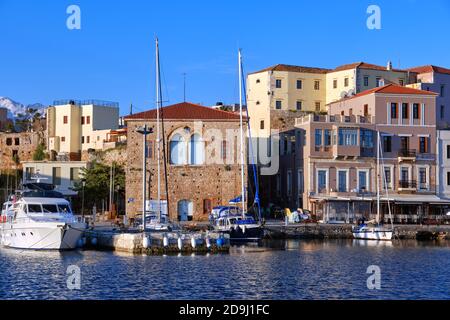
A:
x,y
41,219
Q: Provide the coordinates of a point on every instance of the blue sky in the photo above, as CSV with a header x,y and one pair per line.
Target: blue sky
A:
x,y
112,56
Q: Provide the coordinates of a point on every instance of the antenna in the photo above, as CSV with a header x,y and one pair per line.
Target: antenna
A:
x,y
184,86
131,109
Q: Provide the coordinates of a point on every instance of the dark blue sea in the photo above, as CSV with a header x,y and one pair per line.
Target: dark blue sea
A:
x,y
288,270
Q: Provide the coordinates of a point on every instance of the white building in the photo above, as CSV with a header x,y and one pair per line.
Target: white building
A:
x,y
77,126
63,175
443,163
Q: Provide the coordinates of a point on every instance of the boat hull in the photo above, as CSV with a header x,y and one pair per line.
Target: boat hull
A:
x,y
42,236
246,234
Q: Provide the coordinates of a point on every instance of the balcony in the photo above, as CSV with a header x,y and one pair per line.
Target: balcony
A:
x,y
407,155
407,186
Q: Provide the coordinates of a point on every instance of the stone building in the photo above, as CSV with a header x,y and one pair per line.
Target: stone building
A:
x,y
17,147
202,156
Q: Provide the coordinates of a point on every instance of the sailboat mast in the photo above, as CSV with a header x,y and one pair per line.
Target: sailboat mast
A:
x,y
242,134
378,175
158,131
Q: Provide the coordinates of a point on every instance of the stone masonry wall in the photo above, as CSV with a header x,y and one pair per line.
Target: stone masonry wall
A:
x,y
218,183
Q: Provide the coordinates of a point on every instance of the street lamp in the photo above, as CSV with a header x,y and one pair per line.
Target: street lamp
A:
x,y
145,131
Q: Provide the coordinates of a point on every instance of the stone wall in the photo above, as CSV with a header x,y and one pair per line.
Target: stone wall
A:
x,y
23,145
214,184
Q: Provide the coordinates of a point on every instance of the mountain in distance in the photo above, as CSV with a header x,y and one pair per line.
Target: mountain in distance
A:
x,y
17,110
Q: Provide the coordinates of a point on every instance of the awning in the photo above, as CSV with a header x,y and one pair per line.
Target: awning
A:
x,y
416,199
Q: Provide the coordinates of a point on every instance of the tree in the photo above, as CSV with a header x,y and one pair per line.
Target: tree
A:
x,y
97,184
39,153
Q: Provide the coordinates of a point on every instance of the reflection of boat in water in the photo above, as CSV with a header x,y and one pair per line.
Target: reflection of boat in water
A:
x,y
371,243
41,219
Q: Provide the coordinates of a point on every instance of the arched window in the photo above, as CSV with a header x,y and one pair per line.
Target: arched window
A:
x,y
197,150
178,152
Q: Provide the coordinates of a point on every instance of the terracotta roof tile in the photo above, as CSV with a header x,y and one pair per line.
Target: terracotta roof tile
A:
x,y
291,68
187,111
429,69
390,89
364,65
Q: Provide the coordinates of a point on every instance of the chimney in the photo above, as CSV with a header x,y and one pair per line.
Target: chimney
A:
x,y
389,66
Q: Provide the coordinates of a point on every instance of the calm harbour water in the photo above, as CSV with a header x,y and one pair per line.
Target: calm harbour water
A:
x,y
294,270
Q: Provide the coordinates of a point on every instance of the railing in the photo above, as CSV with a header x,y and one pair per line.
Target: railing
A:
x,y
407,153
99,103
407,184
334,119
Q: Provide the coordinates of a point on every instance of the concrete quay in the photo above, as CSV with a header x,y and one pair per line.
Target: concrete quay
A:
x,y
156,243
344,231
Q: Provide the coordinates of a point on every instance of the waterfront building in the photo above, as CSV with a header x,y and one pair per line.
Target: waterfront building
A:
x,y
202,159
75,127
337,156
278,95
435,79
62,174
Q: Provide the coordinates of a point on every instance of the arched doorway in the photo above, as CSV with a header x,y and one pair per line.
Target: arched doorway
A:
x,y
185,210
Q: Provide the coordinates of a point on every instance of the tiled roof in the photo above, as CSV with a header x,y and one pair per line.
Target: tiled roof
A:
x,y
364,65
429,69
291,68
186,111
391,89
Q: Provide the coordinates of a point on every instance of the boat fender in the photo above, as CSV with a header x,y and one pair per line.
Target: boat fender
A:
x,y
145,242
193,242
94,241
180,244
80,243
165,241
244,229
208,242
84,240
220,242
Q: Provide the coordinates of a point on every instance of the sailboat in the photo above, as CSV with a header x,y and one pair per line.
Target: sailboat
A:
x,y
241,226
155,220
376,231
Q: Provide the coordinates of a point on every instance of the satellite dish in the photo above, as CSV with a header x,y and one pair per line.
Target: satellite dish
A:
x,y
343,94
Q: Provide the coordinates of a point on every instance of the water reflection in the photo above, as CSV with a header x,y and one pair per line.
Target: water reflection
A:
x,y
268,270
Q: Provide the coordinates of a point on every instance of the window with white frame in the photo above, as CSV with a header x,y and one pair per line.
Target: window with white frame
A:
x,y
178,150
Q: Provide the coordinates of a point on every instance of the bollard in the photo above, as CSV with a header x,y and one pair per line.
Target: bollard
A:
x,y
180,244
145,242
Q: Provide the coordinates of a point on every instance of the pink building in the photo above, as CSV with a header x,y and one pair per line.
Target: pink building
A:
x,y
339,156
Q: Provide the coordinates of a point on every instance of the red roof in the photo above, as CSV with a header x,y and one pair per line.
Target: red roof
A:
x,y
429,69
391,89
364,65
187,111
291,68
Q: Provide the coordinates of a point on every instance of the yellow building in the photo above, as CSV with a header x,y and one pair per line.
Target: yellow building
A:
x,y
279,94
77,126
